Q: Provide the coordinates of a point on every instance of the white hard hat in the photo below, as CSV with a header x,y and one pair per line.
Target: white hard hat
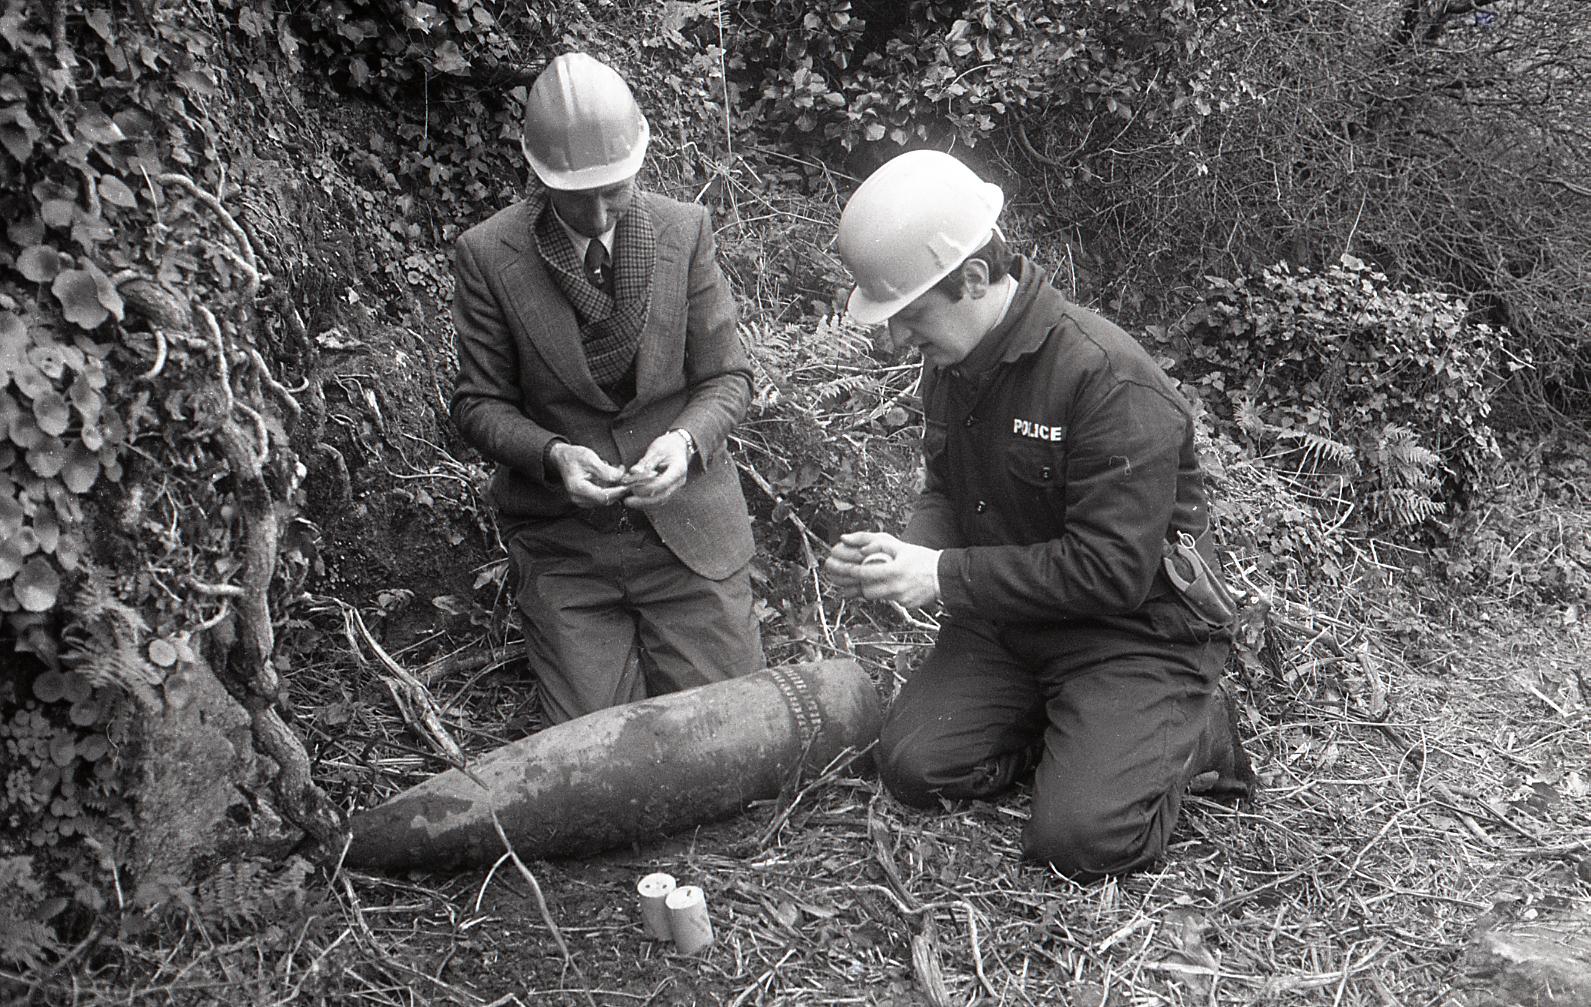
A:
x,y
908,226
583,129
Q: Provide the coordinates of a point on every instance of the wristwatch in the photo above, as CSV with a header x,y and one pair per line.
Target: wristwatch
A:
x,y
690,442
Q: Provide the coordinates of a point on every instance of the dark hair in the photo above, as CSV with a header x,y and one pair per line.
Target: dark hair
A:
x,y
995,253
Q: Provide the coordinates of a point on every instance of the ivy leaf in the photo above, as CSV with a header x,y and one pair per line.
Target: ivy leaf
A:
x,y
81,468
197,81
57,212
52,413
423,16
114,191
253,23
11,515
37,585
449,59
135,123
40,263
17,132
50,687
10,558
78,293
100,21
97,127
13,342
48,457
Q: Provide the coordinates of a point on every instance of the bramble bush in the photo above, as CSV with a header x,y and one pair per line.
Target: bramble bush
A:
x,y
935,71
1376,397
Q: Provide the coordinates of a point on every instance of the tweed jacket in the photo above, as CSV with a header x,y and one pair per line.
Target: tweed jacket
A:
x,y
523,378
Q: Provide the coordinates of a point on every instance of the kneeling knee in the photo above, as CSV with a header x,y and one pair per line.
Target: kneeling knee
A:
x,y
906,772
1087,849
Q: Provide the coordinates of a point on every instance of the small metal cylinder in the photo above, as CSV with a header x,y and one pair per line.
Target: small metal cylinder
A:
x,y
654,890
687,912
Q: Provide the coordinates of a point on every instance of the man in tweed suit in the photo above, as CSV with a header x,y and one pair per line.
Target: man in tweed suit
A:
x,y
600,370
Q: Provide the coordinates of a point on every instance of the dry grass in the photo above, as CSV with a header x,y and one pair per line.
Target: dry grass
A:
x,y
1424,764
1378,844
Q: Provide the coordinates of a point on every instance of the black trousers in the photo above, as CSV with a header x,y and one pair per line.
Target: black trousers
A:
x,y
1120,713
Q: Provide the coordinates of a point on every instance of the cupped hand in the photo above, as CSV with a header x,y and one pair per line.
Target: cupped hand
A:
x,y
659,473
589,481
880,567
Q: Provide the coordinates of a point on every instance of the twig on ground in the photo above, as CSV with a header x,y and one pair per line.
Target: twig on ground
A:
x,y
541,903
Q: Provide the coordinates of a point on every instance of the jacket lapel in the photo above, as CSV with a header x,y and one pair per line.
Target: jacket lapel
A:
x,y
659,335
542,316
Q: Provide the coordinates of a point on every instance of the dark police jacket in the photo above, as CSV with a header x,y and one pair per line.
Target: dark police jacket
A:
x,y
523,378
1059,458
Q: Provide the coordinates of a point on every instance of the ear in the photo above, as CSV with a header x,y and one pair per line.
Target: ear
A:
x,y
975,277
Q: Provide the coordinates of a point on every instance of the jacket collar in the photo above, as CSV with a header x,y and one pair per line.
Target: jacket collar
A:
x,y
1012,338
542,307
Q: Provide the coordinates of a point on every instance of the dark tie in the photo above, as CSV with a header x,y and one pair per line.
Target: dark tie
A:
x,y
597,272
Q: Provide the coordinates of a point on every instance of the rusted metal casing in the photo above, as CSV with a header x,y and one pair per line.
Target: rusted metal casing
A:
x,y
628,773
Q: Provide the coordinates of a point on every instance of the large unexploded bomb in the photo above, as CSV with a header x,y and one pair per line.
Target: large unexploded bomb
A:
x,y
628,773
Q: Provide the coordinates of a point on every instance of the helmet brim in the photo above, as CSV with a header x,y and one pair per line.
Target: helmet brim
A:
x,y
865,310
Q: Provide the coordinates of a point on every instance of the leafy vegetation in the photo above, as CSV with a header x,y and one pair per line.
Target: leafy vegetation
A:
x,y
1336,372
1358,240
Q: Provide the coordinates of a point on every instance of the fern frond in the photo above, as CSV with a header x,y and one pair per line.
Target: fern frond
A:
x,y
97,601
26,944
249,893
1406,507
1249,419
842,336
842,386
1402,446
113,660
1318,447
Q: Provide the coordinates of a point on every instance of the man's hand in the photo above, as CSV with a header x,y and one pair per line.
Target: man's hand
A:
x,y
881,567
659,473
589,481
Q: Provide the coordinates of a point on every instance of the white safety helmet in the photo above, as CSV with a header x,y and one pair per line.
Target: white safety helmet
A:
x,y
908,226
583,129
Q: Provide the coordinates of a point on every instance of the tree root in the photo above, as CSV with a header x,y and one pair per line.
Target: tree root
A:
x,y
249,673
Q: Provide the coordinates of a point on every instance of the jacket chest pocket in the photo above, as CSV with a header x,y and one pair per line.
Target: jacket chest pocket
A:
x,y
1036,476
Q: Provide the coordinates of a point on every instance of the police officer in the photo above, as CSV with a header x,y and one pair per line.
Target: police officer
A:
x,y
1063,527
599,369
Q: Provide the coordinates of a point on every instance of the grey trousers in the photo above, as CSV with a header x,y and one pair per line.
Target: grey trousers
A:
x,y
613,616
